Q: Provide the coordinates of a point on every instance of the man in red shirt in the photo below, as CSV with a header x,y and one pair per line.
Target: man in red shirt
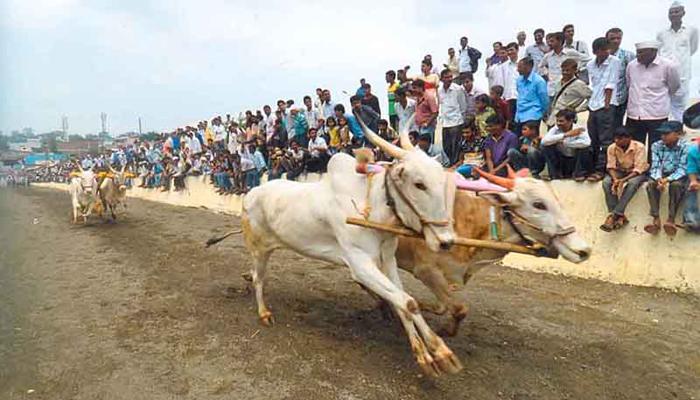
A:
x,y
426,109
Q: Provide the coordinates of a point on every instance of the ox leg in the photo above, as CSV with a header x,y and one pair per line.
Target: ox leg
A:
x,y
445,360
258,274
436,282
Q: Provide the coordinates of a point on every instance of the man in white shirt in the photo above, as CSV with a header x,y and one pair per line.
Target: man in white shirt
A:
x,y
614,36
405,108
566,148
580,46
466,54
268,121
550,66
678,44
522,47
219,132
493,71
311,114
327,105
603,72
537,50
471,92
318,152
509,76
453,109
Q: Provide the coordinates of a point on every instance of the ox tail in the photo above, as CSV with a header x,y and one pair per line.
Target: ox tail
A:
x,y
216,240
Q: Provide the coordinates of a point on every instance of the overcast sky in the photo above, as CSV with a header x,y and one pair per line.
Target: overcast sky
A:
x,y
173,62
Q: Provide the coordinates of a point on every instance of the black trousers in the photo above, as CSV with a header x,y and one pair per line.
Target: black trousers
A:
x,y
561,166
601,125
450,142
640,129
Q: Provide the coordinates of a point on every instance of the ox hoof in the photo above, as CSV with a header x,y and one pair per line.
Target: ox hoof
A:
x,y
248,276
267,319
429,367
448,362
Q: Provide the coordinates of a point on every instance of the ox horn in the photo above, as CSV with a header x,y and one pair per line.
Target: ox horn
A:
x,y
511,172
80,167
403,134
123,168
383,145
507,183
111,169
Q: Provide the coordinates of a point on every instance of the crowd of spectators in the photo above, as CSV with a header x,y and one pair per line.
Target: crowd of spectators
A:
x,y
528,118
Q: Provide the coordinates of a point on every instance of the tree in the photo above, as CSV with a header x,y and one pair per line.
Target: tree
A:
x,y
4,143
72,138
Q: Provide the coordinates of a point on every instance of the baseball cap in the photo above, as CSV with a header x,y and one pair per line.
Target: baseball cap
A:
x,y
670,126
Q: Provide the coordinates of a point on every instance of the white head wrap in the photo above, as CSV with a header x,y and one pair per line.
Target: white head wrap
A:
x,y
649,44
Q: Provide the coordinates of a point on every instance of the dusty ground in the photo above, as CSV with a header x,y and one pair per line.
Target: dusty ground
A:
x,y
140,310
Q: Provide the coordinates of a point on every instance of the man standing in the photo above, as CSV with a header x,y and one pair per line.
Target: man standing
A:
x,y
327,105
532,100
522,48
626,166
365,113
471,92
550,66
580,46
468,57
353,124
614,37
508,78
453,108
678,44
669,161
539,49
426,108
390,78
311,114
573,94
452,63
405,108
371,100
652,81
603,72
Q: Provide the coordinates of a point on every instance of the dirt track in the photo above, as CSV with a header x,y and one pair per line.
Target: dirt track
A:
x,y
140,310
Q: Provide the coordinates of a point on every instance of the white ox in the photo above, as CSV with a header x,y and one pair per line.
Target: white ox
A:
x,y
309,218
529,213
112,191
83,194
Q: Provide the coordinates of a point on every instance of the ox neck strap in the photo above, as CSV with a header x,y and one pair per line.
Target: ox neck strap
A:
x,y
388,179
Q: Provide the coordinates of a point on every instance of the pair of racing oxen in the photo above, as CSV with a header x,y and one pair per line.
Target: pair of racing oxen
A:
x,y
416,192
91,192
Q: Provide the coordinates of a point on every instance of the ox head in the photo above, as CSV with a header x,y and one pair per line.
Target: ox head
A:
x,y
119,178
86,177
421,192
536,212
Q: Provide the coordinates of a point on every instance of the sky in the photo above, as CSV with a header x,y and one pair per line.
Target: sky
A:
x,y
174,62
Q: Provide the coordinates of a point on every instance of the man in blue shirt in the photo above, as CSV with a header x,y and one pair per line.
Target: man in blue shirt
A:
x,y
669,160
533,100
354,126
691,216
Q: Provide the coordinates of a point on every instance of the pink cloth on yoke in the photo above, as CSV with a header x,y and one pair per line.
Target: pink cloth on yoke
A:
x,y
479,185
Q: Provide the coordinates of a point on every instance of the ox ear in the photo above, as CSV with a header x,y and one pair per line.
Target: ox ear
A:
x,y
500,199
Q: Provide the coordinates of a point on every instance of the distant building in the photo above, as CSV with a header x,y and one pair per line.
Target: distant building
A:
x,y
10,158
27,146
78,147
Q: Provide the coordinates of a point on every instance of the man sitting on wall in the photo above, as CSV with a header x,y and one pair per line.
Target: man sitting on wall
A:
x,y
669,159
566,148
626,168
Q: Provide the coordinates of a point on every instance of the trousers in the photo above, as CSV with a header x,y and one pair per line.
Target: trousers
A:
x,y
676,192
617,205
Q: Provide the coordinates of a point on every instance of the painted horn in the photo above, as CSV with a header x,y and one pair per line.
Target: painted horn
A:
x,y
382,144
511,173
404,139
498,180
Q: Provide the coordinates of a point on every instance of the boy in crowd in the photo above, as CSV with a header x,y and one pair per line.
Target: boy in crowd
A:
x,y
471,151
497,144
528,154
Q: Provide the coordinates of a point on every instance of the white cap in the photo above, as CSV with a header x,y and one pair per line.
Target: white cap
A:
x,y
649,44
676,4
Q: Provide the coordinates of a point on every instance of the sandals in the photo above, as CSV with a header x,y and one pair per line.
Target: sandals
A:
x,y
620,222
580,178
670,229
609,224
652,229
595,177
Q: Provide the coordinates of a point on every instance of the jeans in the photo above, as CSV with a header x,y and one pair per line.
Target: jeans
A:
x,y
533,159
560,166
601,124
691,214
450,142
676,191
617,205
252,178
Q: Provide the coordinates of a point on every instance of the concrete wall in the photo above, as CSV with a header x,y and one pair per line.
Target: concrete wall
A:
x,y
629,256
